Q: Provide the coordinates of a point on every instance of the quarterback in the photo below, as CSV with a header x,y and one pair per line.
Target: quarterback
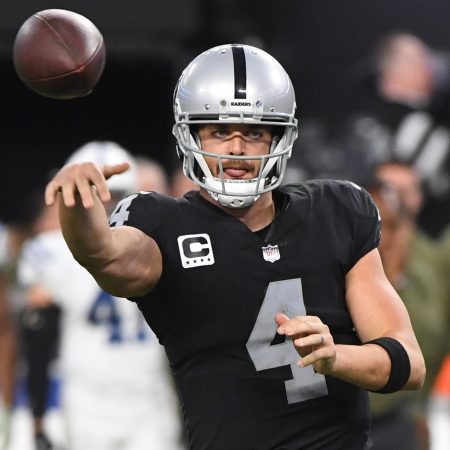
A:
x,y
270,300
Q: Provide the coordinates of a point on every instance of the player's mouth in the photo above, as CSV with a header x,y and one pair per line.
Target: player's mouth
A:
x,y
242,170
235,173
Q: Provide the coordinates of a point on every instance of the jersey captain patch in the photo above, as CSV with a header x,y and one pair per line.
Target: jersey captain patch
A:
x,y
195,250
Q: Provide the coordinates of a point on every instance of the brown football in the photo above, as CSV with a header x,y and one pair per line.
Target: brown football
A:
x,y
59,54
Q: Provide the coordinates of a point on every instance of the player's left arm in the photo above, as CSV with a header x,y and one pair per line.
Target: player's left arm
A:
x,y
377,312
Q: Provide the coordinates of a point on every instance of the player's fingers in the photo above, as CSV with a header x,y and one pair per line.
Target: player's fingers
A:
x,y
312,340
281,318
50,192
309,359
115,169
322,359
84,190
99,181
75,179
301,325
67,191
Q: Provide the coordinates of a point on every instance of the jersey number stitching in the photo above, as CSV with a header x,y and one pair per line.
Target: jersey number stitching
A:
x,y
283,296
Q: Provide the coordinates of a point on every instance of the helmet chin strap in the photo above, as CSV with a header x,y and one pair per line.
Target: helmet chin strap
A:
x,y
234,199
229,201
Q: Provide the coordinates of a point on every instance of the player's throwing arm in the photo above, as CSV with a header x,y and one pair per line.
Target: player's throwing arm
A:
x,y
123,260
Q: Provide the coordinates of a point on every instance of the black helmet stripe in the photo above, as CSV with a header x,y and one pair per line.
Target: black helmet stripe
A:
x,y
240,71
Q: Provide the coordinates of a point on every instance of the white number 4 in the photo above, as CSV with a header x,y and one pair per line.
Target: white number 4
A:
x,y
283,296
121,213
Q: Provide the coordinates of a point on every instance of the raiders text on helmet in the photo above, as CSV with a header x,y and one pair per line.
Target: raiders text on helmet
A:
x,y
241,104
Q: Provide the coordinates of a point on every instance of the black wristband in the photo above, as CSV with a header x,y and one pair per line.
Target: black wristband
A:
x,y
400,364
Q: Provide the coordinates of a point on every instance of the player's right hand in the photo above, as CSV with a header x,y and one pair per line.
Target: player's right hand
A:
x,y
77,179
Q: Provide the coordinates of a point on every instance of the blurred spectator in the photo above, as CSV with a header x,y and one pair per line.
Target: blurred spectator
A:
x,y
180,184
412,264
439,402
444,245
151,175
116,390
410,103
345,152
439,408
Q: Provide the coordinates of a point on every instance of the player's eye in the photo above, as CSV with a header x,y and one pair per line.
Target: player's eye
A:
x,y
255,134
221,132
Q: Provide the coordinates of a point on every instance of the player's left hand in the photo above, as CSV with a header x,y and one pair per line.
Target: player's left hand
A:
x,y
312,340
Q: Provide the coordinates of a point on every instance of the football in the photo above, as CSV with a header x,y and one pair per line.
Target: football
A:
x,y
59,54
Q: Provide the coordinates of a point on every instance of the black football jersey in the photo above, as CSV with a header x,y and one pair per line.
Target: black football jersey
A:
x,y
214,311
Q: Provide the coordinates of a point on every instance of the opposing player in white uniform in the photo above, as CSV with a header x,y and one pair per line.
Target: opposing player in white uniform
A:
x,y
117,393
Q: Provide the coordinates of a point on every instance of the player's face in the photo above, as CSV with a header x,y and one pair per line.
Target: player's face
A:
x,y
407,184
235,140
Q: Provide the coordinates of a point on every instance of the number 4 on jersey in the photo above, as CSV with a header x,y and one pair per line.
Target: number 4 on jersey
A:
x,y
283,296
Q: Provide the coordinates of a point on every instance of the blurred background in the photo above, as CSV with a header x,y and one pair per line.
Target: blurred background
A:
x,y
325,46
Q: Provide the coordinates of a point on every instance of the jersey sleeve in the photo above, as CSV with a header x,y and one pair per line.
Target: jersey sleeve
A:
x,y
146,211
362,217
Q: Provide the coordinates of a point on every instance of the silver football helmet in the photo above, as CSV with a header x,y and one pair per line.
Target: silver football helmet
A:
x,y
234,83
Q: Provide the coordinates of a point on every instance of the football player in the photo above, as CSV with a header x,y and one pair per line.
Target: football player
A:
x,y
271,301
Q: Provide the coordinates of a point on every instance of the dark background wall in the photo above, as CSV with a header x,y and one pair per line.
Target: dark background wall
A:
x,y
324,45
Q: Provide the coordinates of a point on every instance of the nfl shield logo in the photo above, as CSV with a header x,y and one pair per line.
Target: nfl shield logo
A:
x,y
271,253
